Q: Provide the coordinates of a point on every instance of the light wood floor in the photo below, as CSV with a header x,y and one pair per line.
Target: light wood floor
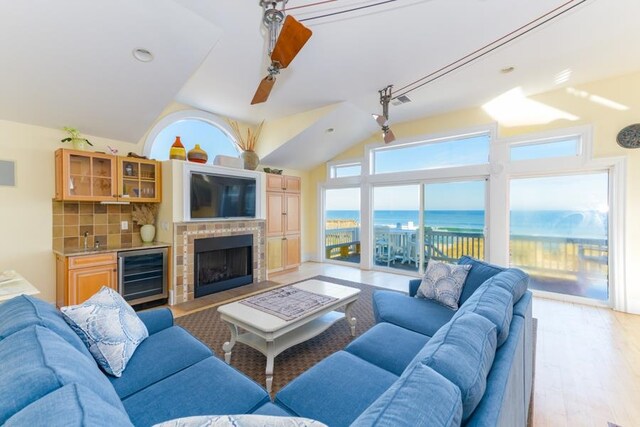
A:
x,y
587,360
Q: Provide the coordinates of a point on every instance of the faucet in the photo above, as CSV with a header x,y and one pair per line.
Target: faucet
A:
x,y
86,235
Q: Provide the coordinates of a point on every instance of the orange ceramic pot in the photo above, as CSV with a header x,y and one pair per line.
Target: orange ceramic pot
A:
x,y
197,155
177,150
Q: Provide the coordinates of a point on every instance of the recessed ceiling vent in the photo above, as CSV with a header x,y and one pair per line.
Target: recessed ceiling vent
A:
x,y
402,99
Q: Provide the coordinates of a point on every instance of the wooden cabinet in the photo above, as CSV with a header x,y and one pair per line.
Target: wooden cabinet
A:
x,y
283,223
139,180
96,177
79,277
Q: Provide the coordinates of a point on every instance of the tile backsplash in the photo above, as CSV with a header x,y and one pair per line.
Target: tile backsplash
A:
x,y
103,223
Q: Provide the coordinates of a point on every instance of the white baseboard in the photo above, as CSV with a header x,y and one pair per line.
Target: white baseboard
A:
x,y
633,306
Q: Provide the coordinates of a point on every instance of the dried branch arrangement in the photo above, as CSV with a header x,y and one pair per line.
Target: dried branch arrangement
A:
x,y
144,214
248,143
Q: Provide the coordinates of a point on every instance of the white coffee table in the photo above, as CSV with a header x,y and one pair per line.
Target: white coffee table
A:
x,y
271,335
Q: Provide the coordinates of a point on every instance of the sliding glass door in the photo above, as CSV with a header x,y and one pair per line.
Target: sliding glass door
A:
x,y
342,224
454,220
559,233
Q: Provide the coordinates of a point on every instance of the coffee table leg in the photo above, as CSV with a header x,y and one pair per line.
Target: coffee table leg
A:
x,y
227,346
350,319
269,370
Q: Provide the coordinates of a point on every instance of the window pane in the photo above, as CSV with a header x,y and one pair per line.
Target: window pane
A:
x,y
559,233
458,152
346,170
395,226
210,138
454,220
342,226
565,148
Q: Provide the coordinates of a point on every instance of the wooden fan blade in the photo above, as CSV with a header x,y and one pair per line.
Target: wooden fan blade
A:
x,y
291,39
389,136
264,89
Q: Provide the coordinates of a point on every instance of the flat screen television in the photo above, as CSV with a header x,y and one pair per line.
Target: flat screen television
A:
x,y
222,196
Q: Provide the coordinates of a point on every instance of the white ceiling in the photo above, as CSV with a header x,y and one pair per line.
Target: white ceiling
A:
x,y
69,62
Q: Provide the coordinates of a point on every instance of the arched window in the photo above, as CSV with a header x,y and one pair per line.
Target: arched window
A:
x,y
193,127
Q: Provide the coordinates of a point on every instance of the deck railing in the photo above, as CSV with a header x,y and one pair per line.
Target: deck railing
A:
x,y
546,256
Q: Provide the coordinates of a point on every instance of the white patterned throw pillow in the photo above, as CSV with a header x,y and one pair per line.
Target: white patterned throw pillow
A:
x,y
109,327
443,282
241,421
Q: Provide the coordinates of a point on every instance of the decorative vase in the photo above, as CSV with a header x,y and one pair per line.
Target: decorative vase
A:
x,y
177,150
79,144
197,155
251,160
147,233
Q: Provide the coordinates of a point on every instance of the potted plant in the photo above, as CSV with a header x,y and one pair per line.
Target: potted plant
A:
x,y
145,216
74,137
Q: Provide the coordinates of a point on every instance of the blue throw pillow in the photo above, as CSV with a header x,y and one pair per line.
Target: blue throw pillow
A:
x,y
443,283
493,303
109,328
462,351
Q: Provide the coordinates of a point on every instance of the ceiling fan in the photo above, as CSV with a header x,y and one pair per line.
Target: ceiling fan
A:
x,y
383,120
283,47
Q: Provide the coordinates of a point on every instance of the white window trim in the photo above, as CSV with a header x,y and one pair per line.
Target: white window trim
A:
x,y
177,116
333,165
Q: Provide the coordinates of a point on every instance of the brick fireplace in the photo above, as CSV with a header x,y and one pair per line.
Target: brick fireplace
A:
x,y
185,235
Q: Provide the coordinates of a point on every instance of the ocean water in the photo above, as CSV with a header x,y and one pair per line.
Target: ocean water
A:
x,y
583,224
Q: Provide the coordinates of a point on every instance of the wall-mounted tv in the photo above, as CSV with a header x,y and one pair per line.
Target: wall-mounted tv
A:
x,y
222,196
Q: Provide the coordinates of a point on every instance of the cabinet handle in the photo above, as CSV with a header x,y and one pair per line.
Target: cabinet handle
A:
x,y
114,270
284,238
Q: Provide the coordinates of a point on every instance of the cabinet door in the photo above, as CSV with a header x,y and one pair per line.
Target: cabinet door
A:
x,y
292,184
275,254
292,251
82,176
139,180
275,213
292,213
84,282
275,182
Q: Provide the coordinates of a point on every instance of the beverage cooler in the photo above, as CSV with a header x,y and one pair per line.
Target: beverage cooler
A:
x,y
142,275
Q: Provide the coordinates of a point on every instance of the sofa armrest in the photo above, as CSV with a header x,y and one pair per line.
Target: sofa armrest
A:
x,y
157,319
413,286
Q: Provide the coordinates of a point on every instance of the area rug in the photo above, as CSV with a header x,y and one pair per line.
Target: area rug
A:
x,y
208,328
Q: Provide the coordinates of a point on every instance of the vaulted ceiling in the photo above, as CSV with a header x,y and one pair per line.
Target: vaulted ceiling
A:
x,y
69,62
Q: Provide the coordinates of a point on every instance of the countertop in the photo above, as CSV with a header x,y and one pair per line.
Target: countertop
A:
x,y
110,248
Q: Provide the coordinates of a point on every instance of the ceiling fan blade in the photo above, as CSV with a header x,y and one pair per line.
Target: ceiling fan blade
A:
x,y
264,89
291,39
389,136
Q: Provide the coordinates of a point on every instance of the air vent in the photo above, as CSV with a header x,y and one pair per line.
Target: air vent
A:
x,y
402,99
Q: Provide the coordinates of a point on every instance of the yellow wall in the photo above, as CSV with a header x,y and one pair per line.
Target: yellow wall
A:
x,y
606,123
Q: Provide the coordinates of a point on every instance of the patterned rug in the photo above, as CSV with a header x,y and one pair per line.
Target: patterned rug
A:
x,y
208,328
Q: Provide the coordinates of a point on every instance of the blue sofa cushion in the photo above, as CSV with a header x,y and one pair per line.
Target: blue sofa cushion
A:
x,y
157,319
416,314
209,387
493,303
167,352
421,397
24,311
241,420
443,282
36,362
388,346
463,351
271,409
336,390
70,406
513,280
109,327
479,273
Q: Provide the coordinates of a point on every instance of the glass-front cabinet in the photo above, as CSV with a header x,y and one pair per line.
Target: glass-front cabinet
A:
x,y
139,179
97,177
85,176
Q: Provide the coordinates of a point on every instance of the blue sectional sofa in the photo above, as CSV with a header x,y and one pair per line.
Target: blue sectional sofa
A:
x,y
49,378
421,365
425,364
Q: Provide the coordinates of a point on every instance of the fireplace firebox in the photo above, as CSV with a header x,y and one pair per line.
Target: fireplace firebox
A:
x,y
222,263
